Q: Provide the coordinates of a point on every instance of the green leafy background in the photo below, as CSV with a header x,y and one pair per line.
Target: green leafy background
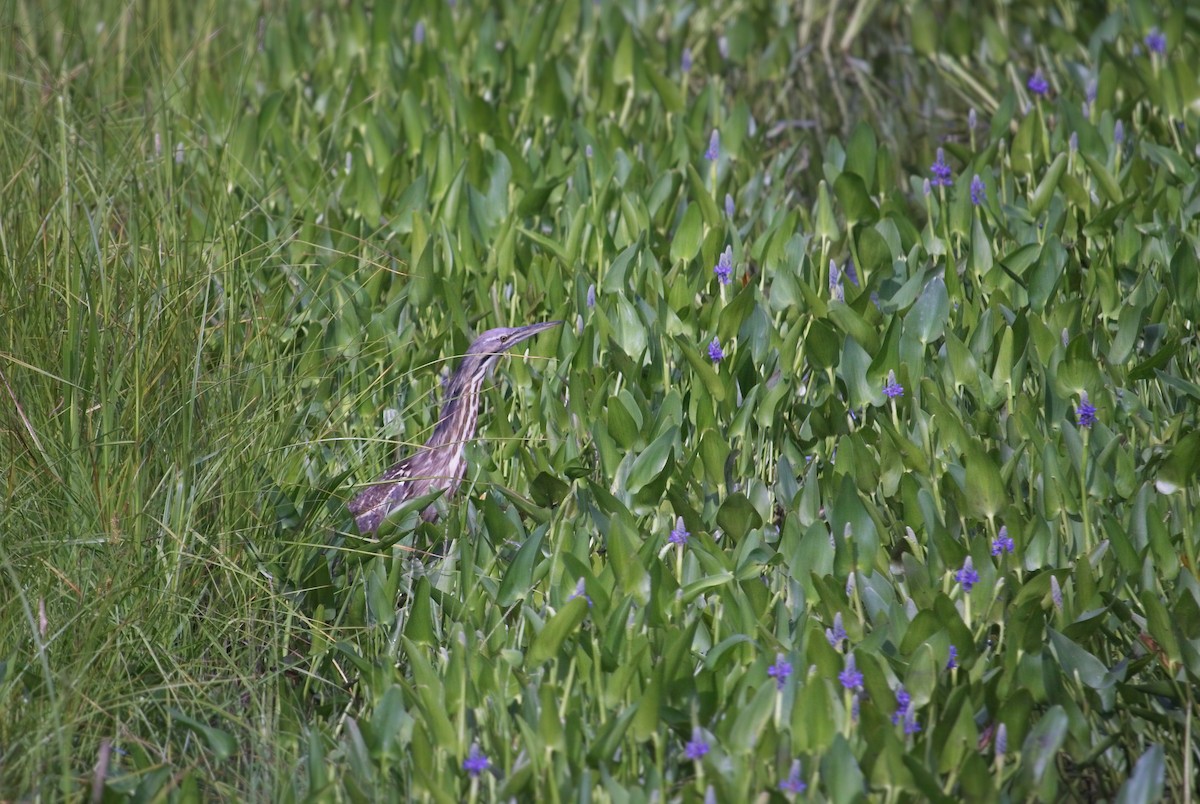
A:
x,y
243,244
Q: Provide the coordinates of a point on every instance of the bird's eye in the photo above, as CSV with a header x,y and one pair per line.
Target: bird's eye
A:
x,y
503,339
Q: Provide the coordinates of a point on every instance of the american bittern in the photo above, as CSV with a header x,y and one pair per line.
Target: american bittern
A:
x,y
441,464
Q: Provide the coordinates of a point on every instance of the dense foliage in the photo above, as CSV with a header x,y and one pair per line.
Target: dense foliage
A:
x,y
864,466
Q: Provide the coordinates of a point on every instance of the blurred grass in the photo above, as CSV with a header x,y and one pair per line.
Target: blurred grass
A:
x,y
241,244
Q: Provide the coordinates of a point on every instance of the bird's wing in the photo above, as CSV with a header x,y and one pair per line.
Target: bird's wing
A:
x,y
374,502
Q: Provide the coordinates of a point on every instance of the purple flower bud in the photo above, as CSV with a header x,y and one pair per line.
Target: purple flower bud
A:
x,y
1156,41
1038,84
580,591
780,671
837,634
1119,133
714,146
724,268
1056,593
419,33
892,389
1001,740
697,747
1085,412
850,677
715,353
1003,543
476,762
587,151
1073,141
972,120
729,210
723,47
940,170
952,662
685,61
967,576
679,535
927,188
793,783
978,191
836,291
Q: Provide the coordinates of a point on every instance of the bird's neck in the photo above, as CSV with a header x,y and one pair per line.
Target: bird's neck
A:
x,y
459,414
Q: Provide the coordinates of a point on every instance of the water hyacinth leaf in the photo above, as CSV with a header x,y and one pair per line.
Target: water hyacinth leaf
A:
x,y
737,515
985,489
751,719
928,316
826,224
702,197
1047,186
708,376
1047,273
1178,472
1108,185
686,243
1146,781
547,490
841,772
650,463
855,200
667,91
860,154
554,633
1075,660
981,248
419,626
518,580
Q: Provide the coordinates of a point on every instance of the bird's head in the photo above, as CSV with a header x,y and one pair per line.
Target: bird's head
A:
x,y
495,342
487,349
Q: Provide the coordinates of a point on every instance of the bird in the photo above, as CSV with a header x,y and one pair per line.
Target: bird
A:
x,y
440,463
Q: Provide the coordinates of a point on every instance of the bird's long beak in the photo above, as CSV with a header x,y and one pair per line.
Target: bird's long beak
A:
x,y
525,333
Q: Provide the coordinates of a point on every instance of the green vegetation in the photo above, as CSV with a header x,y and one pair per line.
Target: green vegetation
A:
x,y
239,249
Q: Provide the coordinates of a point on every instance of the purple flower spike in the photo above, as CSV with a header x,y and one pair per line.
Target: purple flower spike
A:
x,y
967,576
476,762
793,783
850,677
1003,543
892,389
903,702
1038,84
780,671
1001,740
978,191
1085,412
696,747
715,353
952,662
679,535
837,634
940,170
714,147
724,268
1156,41
580,591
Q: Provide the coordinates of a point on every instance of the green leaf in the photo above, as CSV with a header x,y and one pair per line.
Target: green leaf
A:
x,y
737,516
554,633
686,243
1178,472
926,320
1047,186
650,463
751,719
1146,782
518,581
